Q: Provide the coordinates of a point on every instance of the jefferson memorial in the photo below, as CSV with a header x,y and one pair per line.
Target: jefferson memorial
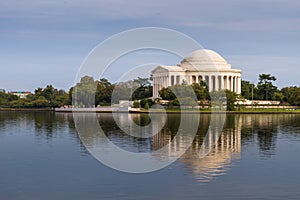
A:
x,y
201,65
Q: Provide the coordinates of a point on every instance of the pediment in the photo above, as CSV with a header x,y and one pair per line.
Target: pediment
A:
x,y
159,69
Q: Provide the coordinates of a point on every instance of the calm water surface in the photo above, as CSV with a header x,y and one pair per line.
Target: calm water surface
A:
x,y
42,157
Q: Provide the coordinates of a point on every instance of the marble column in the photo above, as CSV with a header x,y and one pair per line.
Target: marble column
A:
x,y
231,83
217,82
239,85
226,84
222,83
236,84
154,87
210,85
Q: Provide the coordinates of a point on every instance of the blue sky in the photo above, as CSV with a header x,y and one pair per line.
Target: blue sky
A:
x,y
45,42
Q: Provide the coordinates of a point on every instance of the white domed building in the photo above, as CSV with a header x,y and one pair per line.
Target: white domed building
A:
x,y
201,65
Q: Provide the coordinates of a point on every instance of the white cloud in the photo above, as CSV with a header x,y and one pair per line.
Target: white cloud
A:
x,y
233,15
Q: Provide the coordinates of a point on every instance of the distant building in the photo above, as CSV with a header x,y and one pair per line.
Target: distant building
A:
x,y
20,93
201,65
2,90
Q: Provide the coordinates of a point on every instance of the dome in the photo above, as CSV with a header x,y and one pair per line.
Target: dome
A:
x,y
204,59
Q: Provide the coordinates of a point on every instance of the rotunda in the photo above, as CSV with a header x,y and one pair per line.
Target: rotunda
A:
x,y
201,65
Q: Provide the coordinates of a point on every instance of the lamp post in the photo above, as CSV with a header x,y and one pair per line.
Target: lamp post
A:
x,y
252,94
252,90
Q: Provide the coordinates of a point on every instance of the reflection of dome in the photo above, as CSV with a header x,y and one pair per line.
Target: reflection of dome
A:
x,y
205,59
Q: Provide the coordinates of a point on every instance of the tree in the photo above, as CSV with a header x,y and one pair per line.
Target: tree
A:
x,y
42,98
201,91
265,86
120,92
145,102
104,92
41,102
167,94
84,92
291,95
49,93
247,89
142,82
146,106
143,89
19,103
278,96
142,92
136,104
230,100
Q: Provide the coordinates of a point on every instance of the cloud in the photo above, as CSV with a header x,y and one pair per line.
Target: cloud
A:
x,y
258,25
230,15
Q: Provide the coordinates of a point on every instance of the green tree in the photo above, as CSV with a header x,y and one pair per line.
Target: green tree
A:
x,y
291,95
6,98
201,91
104,92
167,94
70,96
265,86
247,89
142,82
19,103
146,106
278,96
41,102
120,92
143,90
84,92
230,100
136,104
144,102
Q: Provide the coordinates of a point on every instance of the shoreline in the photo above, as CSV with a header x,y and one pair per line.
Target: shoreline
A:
x,y
27,109
92,110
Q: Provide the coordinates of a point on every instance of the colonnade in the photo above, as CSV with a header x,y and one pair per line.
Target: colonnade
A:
x,y
223,82
159,83
214,82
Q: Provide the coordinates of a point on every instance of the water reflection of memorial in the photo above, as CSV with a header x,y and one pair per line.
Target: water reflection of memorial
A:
x,y
239,130
224,148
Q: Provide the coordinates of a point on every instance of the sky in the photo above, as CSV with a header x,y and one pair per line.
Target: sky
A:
x,y
45,42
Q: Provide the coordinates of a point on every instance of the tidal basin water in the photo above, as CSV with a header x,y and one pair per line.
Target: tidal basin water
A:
x,y
256,157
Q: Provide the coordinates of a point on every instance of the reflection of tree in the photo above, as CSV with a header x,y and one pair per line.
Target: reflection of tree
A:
x,y
263,128
141,120
118,136
42,124
266,131
289,125
239,130
266,140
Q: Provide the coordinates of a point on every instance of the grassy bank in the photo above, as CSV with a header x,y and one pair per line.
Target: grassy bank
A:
x,y
172,111
244,111
26,109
